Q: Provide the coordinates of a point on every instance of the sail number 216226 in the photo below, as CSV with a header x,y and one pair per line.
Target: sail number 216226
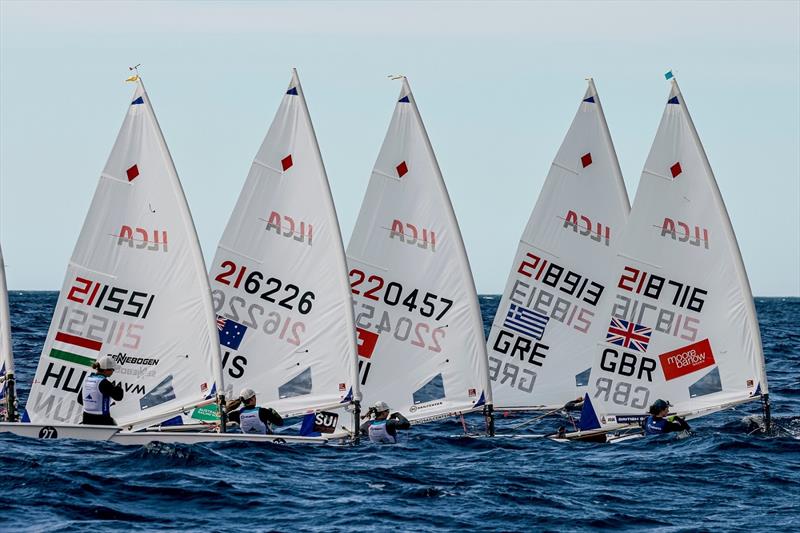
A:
x,y
272,289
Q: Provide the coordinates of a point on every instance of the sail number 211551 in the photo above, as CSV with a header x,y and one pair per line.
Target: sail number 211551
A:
x,y
109,298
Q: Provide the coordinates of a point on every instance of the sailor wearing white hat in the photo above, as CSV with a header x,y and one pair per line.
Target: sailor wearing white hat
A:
x,y
252,418
383,428
97,393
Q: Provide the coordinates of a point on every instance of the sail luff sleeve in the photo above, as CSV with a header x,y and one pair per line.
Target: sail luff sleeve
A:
x,y
474,305
342,258
195,250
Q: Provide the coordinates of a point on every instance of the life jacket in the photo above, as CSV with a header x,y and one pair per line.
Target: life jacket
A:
x,y
653,426
250,422
94,401
378,433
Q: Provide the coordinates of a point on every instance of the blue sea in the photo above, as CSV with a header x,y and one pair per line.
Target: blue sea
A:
x,y
720,478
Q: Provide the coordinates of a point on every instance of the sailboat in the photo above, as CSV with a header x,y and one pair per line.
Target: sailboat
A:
x,y
8,399
279,281
542,340
136,289
420,337
681,319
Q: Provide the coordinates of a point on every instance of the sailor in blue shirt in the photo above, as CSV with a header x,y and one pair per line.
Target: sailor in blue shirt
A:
x,y
383,428
658,422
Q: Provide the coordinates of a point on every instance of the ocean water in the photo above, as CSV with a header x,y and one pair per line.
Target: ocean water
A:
x,y
720,478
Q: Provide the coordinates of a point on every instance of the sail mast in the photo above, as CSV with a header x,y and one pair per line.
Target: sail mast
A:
x,y
7,389
475,310
612,154
279,280
197,258
422,348
342,260
741,271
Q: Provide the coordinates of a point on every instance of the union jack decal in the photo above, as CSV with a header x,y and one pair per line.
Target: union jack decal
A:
x,y
628,335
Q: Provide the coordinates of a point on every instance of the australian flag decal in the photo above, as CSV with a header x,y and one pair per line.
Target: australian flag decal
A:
x,y
230,333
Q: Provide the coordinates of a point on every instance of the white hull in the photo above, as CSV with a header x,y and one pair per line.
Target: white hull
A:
x,y
62,431
623,431
499,436
625,438
138,438
611,438
530,409
520,435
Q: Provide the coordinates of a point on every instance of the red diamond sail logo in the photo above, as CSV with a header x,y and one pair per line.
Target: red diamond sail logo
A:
x,y
402,169
675,169
132,173
586,159
286,162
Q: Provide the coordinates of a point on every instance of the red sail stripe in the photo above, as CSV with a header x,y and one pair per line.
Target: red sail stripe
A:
x,y
79,341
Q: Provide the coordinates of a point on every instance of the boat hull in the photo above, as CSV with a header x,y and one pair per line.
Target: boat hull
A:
x,y
62,431
139,438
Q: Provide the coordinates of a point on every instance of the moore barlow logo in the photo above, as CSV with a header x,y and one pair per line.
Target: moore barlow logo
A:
x,y
686,360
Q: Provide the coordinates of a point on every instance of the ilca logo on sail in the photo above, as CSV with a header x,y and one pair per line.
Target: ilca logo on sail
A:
x,y
584,227
696,237
285,226
409,233
141,239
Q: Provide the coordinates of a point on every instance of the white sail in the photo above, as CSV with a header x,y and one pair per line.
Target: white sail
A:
x,y
6,353
543,337
136,289
681,319
421,345
279,277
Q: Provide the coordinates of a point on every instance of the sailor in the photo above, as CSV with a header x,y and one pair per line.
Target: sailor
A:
x,y
98,392
383,428
658,422
574,405
251,418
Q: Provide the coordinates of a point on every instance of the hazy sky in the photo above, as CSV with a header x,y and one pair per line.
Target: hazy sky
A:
x,y
497,85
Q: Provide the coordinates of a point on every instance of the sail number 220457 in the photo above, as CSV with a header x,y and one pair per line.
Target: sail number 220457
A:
x,y
392,293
